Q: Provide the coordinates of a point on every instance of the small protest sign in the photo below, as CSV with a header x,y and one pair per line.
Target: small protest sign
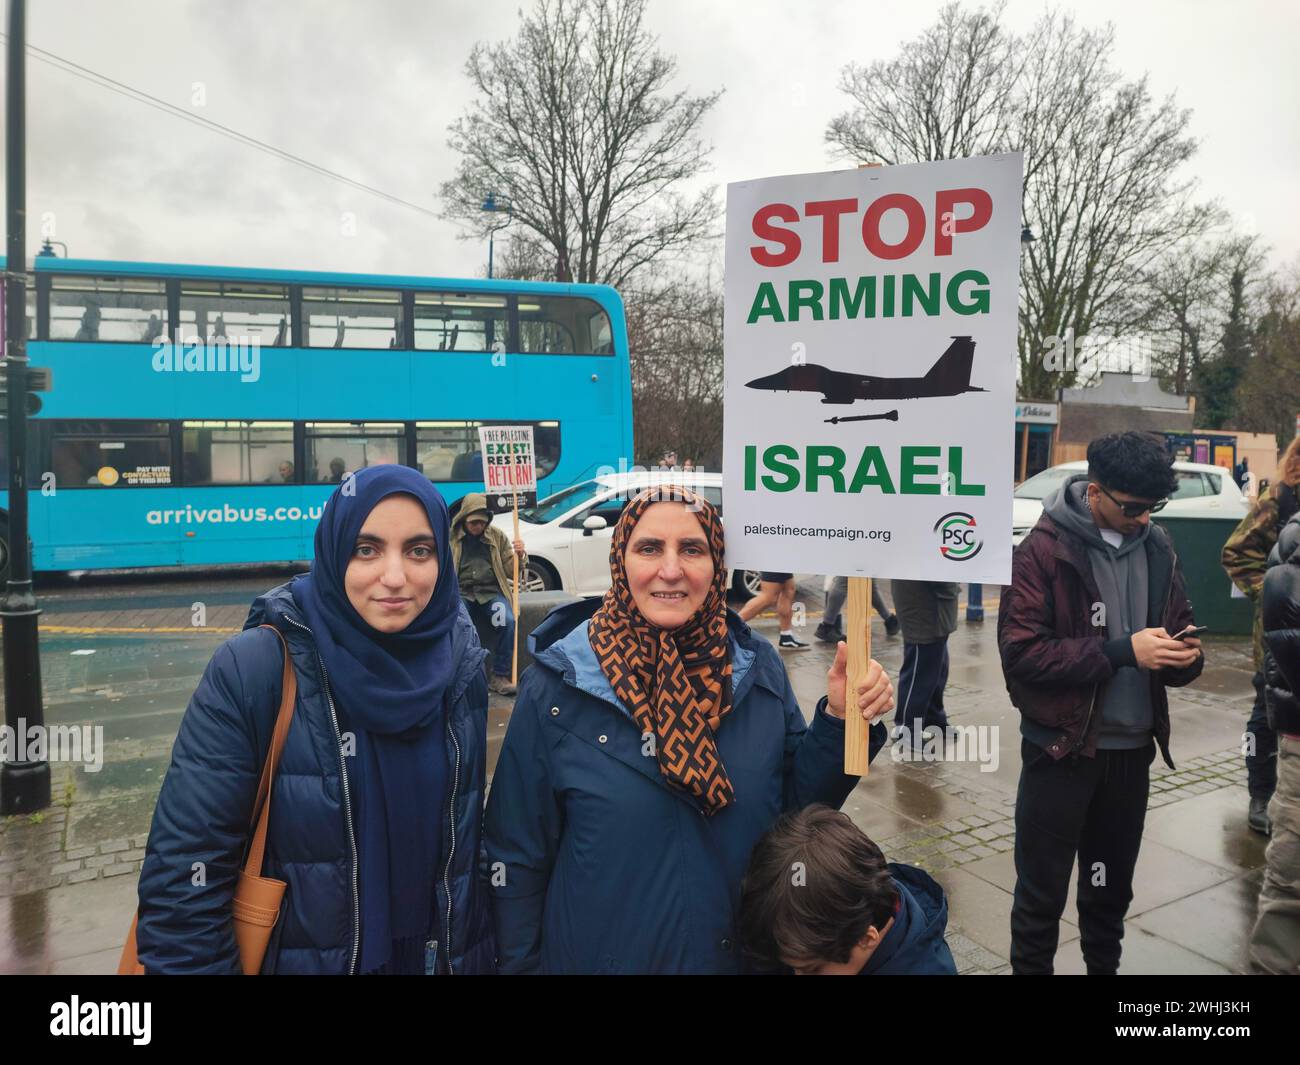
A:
x,y
509,472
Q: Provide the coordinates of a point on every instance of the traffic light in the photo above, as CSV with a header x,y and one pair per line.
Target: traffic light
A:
x,y
39,379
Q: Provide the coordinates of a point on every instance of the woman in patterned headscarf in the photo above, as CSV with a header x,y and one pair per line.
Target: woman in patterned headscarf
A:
x,y
654,740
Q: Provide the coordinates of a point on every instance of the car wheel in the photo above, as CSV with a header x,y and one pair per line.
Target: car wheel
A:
x,y
539,577
745,582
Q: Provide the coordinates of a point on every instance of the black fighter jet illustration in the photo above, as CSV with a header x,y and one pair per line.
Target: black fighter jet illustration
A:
x,y
950,376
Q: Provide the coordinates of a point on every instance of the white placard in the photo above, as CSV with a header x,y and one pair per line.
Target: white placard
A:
x,y
507,459
870,354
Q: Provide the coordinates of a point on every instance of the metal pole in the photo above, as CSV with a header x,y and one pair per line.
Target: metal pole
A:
x,y
491,234
24,784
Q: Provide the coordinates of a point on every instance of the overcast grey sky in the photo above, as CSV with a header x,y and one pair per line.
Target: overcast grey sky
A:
x,y
368,89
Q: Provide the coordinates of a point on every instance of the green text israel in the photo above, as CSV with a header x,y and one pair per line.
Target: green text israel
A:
x,y
921,470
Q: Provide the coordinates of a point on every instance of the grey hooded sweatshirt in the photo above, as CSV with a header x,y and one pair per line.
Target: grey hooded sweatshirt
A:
x,y
1127,716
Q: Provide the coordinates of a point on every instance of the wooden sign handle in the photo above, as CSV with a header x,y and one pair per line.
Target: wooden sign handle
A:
x,y
514,596
857,632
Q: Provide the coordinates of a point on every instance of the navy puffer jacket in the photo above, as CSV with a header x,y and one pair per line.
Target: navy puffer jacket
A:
x,y
915,945
201,823
598,866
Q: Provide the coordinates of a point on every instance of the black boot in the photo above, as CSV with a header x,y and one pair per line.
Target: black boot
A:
x,y
826,634
1257,818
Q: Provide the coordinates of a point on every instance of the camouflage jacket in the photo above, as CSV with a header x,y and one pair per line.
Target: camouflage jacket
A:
x,y
1245,555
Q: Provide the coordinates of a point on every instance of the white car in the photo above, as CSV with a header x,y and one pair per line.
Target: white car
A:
x,y
568,534
1203,492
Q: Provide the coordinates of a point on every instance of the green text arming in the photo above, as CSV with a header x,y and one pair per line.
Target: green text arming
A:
x,y
867,299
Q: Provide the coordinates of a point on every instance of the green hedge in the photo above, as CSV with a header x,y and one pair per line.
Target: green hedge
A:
x,y
1199,542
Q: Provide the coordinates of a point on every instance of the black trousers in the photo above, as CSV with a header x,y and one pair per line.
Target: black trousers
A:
x,y
1261,767
1090,807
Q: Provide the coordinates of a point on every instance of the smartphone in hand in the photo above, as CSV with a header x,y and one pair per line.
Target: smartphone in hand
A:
x,y
1191,630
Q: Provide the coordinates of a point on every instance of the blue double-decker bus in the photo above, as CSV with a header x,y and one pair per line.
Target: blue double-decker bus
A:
x,y
202,415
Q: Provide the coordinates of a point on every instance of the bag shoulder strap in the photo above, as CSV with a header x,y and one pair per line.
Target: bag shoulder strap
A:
x,y
262,805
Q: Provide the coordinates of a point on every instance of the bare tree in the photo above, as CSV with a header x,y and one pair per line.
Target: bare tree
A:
x,y
949,94
1268,396
1103,193
1108,206
1205,301
675,338
577,127
1184,289
523,258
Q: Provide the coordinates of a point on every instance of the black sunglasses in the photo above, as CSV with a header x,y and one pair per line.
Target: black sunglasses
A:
x,y
1135,510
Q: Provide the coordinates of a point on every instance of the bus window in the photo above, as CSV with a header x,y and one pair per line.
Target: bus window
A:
x,y
449,451
598,328
352,318
449,321
546,442
121,309
236,310
105,454
336,448
563,325
232,452
31,312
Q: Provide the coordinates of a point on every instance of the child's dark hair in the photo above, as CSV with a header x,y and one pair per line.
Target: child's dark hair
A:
x,y
1137,463
814,885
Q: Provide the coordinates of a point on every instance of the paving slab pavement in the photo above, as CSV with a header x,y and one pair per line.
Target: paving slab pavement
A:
x,y
67,875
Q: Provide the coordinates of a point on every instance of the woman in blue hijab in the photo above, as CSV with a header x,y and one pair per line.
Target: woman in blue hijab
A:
x,y
376,809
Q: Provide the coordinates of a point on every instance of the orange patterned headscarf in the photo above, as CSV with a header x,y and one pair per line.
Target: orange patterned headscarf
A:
x,y
675,682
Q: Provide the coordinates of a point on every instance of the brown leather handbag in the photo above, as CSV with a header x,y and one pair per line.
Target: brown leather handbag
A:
x,y
256,905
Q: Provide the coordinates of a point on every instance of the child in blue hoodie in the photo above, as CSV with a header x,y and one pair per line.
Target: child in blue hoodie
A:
x,y
820,899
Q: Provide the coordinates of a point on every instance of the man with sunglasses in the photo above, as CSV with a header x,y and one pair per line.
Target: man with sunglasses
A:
x,y
1089,634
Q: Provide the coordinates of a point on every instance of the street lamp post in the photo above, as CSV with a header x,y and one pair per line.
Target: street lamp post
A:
x,y
24,783
490,204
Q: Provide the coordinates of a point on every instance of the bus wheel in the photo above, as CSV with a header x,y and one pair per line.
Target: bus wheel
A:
x,y
539,577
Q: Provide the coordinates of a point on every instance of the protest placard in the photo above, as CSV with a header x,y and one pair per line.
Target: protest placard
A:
x,y
509,480
509,470
870,365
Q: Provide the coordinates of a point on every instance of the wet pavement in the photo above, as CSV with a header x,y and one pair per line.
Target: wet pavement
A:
x,y
124,653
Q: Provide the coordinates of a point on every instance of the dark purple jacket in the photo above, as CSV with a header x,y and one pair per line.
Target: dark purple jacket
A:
x,y
1052,654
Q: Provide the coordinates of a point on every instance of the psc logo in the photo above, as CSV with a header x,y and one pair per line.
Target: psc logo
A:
x,y
958,538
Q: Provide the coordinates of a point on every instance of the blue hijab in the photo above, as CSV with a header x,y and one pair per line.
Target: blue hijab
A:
x,y
389,689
